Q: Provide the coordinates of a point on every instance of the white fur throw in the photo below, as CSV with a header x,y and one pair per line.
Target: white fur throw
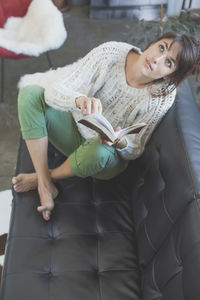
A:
x,y
40,30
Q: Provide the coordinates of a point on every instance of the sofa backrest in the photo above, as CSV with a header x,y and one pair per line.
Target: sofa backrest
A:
x,y
167,175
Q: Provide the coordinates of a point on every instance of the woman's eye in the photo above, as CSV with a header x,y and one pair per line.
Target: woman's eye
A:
x,y
169,64
162,48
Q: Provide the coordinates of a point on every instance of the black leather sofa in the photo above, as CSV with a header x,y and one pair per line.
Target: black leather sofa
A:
x,y
134,237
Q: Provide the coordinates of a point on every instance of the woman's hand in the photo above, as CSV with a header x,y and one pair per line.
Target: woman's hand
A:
x,y
122,143
89,105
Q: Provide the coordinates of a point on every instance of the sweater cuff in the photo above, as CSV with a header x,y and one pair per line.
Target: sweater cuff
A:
x,y
61,101
125,148
131,151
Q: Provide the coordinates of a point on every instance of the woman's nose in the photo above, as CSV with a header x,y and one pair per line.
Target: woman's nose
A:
x,y
157,59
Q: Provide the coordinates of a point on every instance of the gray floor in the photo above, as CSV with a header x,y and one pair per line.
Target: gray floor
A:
x,y
83,34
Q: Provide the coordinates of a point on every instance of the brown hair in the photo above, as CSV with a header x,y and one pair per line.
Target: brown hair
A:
x,y
188,59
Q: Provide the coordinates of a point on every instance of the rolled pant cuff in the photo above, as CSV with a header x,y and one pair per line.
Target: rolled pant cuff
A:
x,y
34,133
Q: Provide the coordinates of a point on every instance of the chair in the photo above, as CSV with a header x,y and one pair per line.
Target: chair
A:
x,y
183,4
25,30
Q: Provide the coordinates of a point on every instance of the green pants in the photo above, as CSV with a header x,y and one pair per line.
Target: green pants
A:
x,y
87,157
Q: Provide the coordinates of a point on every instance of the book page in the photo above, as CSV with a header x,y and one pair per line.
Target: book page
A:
x,y
103,121
99,124
135,128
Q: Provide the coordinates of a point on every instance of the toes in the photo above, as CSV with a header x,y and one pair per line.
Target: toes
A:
x,y
45,212
46,207
16,179
41,208
46,215
16,188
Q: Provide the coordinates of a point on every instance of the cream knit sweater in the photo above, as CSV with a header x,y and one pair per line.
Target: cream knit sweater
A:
x,y
101,74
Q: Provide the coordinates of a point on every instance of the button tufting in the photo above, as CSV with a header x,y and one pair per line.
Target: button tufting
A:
x,y
50,274
51,237
140,182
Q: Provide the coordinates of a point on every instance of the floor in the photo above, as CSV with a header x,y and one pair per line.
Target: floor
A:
x,y
83,34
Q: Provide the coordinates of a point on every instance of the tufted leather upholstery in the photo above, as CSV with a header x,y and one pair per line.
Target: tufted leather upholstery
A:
x,y
166,205
130,238
87,250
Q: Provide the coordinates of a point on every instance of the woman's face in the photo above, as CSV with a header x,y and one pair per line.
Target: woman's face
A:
x,y
159,60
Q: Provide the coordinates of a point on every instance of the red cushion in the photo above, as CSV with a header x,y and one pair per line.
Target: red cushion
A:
x,y
12,8
9,54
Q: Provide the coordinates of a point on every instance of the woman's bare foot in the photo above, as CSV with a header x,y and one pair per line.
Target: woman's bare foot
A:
x,y
25,182
47,193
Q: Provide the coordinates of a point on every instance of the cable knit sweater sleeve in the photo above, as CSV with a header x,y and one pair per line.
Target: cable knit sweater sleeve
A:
x,y
78,79
63,85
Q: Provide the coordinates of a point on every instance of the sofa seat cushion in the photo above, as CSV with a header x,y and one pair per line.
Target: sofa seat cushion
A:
x,y
86,251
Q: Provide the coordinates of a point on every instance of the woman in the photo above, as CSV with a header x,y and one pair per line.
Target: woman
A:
x,y
117,78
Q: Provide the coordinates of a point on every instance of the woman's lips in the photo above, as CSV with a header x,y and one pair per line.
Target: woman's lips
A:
x,y
148,64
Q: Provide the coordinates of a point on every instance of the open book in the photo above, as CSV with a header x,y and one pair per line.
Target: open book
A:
x,y
101,125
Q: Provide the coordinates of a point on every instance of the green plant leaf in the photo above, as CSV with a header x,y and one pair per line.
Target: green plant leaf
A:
x,y
196,15
185,27
146,29
187,22
173,26
136,20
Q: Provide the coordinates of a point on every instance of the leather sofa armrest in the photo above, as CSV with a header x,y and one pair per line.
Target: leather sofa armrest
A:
x,y
174,271
168,174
